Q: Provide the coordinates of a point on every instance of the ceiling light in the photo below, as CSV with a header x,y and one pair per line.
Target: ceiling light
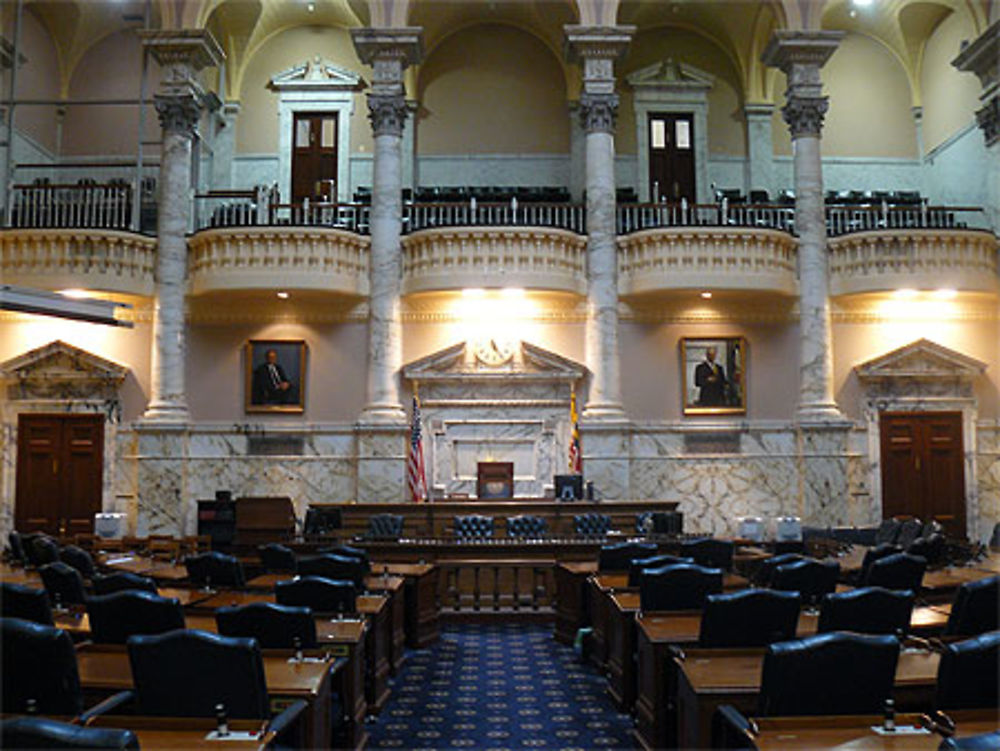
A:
x,y
706,295
282,295
861,3
75,294
311,7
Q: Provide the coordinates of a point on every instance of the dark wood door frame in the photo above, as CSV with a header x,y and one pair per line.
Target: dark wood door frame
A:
x,y
672,168
314,155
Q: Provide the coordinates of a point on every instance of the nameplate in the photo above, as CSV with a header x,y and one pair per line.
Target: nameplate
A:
x,y
241,736
277,445
900,730
712,443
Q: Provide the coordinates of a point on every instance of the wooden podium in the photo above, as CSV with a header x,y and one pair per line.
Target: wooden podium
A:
x,y
494,480
264,519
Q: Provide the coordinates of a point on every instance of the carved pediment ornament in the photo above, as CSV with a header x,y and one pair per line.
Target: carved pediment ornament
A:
x,y
317,73
59,370
923,360
529,362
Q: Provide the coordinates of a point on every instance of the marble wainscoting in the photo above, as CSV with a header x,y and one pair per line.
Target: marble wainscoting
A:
x,y
988,477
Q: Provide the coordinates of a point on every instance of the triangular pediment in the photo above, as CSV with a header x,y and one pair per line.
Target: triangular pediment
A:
x,y
58,360
922,359
671,74
317,74
460,362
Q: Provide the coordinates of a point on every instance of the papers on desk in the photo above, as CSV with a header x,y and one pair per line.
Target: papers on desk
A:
x,y
900,730
242,736
295,660
124,559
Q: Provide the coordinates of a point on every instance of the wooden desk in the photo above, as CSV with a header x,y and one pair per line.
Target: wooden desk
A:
x,y
940,585
105,669
135,564
708,678
421,619
571,598
810,733
11,575
172,733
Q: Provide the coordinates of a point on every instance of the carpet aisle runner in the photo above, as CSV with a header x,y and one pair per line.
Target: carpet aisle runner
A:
x,y
508,686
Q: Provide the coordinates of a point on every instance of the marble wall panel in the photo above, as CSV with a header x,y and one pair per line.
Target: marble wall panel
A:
x,y
988,478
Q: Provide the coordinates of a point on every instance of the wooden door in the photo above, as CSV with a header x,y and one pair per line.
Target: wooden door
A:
x,y
671,157
60,460
314,156
922,467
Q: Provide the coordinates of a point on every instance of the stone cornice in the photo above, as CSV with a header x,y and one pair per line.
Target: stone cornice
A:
x,y
982,57
787,48
403,44
192,48
583,42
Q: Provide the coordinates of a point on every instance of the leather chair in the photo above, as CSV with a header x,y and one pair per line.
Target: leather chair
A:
x,y
909,531
682,586
42,550
968,675
473,526
644,523
827,674
27,603
765,571
668,522
348,551
273,626
869,610
319,594
79,559
527,526
898,571
591,525
710,552
619,556
731,730
749,618
276,558
877,553
981,742
122,581
116,617
810,578
931,548
637,565
974,609
385,526
15,546
215,569
331,566
44,733
888,531
63,584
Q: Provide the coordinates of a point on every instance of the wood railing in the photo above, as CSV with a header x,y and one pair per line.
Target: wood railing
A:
x,y
484,585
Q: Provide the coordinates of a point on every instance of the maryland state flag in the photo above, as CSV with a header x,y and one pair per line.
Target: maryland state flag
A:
x,y
575,456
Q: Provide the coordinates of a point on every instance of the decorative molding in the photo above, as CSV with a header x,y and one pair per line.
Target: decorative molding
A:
x,y
456,364
60,371
598,112
387,114
804,114
316,75
922,360
178,113
988,119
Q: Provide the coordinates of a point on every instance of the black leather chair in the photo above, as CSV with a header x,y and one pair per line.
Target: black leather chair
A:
x,y
63,584
968,674
122,581
668,523
826,674
116,617
909,531
888,531
277,558
527,527
15,547
980,742
617,557
348,551
273,626
637,565
731,730
215,569
682,586
79,559
319,594
765,571
930,548
27,603
41,550
749,618
331,566
39,673
710,552
869,610
974,609
810,578
883,550
45,733
591,525
385,526
898,571
473,526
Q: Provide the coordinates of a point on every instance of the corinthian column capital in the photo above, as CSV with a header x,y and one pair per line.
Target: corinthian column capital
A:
x,y
387,113
178,113
804,114
598,112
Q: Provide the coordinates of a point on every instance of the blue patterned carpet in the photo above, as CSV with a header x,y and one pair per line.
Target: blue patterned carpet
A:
x,y
505,686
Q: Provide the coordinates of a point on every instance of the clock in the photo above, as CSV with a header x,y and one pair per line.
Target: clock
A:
x,y
494,351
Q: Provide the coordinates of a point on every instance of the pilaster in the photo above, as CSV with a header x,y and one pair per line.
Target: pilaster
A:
x,y
760,147
224,145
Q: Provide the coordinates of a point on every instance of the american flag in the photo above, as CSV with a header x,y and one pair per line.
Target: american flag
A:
x,y
416,478
575,456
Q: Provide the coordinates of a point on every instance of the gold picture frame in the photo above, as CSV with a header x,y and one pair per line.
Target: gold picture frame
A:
x,y
714,374
279,385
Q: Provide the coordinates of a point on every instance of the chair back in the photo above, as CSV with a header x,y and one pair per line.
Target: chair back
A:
x,y
16,547
122,581
331,566
880,551
810,578
897,571
749,618
731,730
42,732
909,531
187,673
116,617
385,526
27,603
319,594
868,610
765,571
591,525
979,742
349,551
682,586
527,526
215,569
930,548
277,558
39,669
617,557
710,552
79,559
473,526
63,584
974,609
828,674
968,673
888,531
637,565
42,549
273,626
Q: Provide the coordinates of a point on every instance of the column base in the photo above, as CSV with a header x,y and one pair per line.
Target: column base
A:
x,y
383,413
603,412
819,412
166,412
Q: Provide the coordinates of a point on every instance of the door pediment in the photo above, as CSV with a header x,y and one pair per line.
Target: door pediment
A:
x,y
59,370
921,360
317,74
459,362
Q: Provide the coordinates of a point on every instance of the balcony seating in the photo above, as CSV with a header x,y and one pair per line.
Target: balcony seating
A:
x,y
810,578
619,556
828,674
967,674
473,527
63,584
870,610
321,595
122,581
26,603
898,571
680,586
273,626
331,566
79,559
749,618
42,732
277,558
637,565
710,552
591,525
116,617
385,526
974,609
527,526
215,569
759,197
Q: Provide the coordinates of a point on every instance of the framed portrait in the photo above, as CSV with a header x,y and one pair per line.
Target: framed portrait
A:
x,y
715,375
275,375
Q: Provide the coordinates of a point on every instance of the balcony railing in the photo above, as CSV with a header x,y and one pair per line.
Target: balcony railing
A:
x,y
843,220
88,206
636,217
568,216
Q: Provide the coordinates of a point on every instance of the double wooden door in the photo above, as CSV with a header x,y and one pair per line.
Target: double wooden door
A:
x,y
314,156
60,460
671,157
923,467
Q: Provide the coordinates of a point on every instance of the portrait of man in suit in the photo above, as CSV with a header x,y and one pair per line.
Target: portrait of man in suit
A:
x,y
714,375
275,372
710,379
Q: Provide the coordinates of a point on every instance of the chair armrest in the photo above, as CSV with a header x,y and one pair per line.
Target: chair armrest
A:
x,y
106,706
288,716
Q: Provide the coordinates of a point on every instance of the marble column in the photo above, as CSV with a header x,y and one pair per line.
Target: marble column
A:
x,y
388,51
982,57
800,55
179,103
597,48
760,147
